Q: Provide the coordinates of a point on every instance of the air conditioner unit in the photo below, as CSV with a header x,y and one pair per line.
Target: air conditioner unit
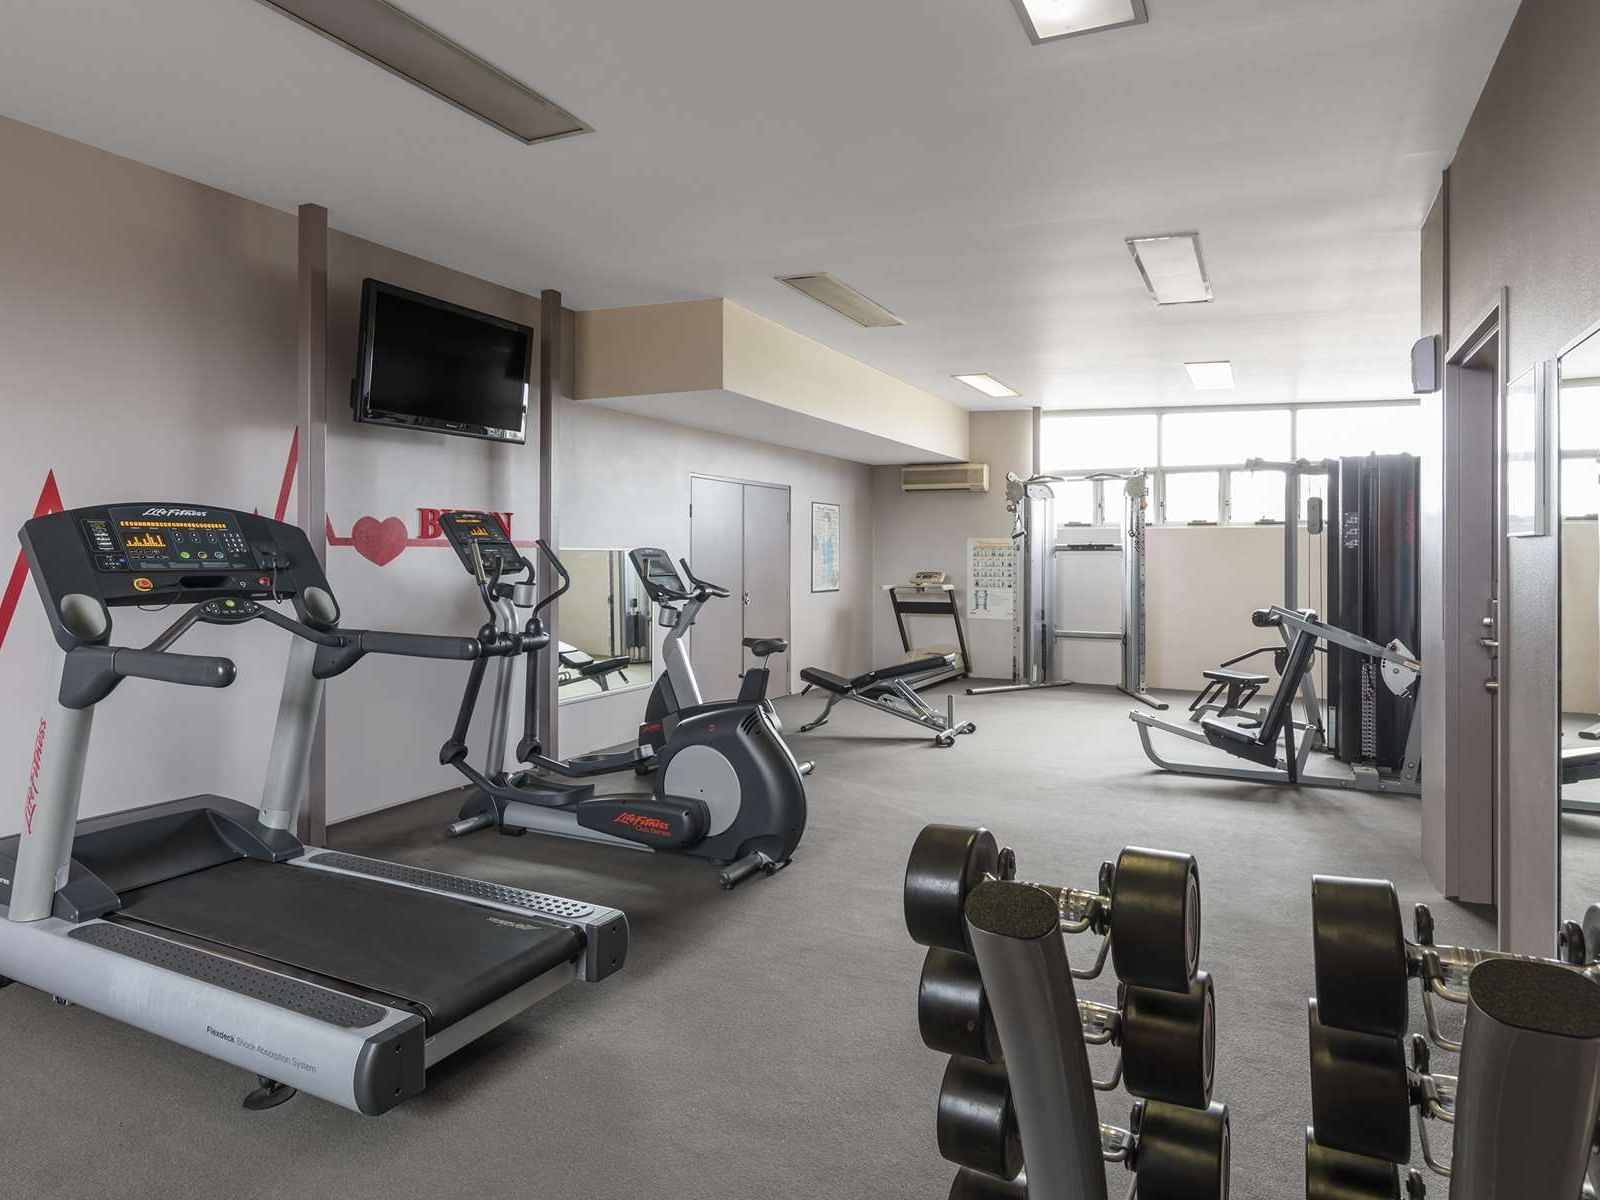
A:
x,y
945,477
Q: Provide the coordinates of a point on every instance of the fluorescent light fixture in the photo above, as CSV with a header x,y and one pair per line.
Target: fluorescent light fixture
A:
x,y
1210,376
988,385
1172,268
843,299
1047,20
399,43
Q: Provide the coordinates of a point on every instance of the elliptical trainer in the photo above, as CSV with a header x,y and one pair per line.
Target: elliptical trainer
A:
x,y
727,788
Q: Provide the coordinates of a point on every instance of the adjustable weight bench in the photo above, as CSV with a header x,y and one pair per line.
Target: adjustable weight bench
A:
x,y
578,665
892,690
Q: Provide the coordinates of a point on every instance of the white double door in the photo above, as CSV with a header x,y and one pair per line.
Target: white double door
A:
x,y
739,538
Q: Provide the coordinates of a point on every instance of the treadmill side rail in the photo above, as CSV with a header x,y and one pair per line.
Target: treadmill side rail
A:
x,y
368,1070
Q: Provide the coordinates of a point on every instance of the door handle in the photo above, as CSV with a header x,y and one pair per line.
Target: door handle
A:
x,y
1491,685
1489,643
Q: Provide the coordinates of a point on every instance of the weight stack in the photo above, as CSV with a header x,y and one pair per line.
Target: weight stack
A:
x,y
1372,590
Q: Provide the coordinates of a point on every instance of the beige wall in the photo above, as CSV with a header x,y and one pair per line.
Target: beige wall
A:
x,y
713,364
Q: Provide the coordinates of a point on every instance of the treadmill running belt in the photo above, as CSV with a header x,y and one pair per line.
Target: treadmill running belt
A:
x,y
446,957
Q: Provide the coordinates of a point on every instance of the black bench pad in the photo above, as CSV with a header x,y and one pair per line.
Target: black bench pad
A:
x,y
830,682
1246,678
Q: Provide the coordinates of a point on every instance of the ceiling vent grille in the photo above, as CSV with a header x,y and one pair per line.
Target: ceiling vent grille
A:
x,y
945,477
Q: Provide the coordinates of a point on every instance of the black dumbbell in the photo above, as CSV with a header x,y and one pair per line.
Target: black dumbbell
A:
x,y
977,1123
1169,1042
1361,1091
953,1009
1148,903
1339,1175
975,1185
1180,1153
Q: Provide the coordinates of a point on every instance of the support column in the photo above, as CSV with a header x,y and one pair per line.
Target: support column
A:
x,y
549,389
311,499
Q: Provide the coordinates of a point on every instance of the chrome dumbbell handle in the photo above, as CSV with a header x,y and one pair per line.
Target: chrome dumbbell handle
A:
x,y
1433,1097
1116,1143
1102,1025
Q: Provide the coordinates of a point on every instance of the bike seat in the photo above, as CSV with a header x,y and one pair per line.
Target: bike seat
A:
x,y
762,647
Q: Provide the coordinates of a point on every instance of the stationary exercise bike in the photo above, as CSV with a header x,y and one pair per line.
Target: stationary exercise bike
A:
x,y
726,787
676,688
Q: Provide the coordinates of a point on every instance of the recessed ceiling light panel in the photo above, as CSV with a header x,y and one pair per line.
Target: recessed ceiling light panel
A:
x,y
843,299
1047,20
1173,270
988,385
399,43
1210,376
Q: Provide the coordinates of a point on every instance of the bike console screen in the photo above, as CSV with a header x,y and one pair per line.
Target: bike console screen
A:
x,y
660,578
468,528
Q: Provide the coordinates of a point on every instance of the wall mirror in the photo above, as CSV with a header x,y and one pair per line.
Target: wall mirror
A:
x,y
1579,412
605,626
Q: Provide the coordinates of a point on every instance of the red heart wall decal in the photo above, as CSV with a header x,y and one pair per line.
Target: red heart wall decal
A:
x,y
379,541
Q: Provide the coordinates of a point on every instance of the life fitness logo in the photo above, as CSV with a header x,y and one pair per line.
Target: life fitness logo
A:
x,y
651,825
31,804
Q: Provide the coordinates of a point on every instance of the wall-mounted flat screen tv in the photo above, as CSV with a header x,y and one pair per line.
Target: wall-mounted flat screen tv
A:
x,y
427,364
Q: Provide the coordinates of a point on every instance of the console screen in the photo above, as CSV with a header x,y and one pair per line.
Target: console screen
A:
x,y
164,538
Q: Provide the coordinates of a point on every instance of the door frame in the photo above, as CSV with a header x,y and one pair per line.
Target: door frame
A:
x,y
1458,819
788,597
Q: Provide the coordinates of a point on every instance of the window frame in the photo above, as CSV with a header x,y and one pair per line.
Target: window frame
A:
x,y
1158,471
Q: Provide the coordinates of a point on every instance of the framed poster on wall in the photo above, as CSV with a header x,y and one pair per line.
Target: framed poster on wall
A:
x,y
824,547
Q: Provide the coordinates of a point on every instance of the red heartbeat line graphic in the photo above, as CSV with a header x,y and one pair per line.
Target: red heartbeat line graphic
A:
x,y
49,502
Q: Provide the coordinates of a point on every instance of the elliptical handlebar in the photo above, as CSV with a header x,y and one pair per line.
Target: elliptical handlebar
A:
x,y
561,572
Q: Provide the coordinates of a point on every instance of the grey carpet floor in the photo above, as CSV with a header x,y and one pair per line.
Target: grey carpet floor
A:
x,y
761,1043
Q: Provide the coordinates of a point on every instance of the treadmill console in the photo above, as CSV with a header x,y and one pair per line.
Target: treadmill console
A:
x,y
467,529
142,538
168,553
661,580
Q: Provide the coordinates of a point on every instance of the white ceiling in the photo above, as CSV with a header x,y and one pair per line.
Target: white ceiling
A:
x,y
921,150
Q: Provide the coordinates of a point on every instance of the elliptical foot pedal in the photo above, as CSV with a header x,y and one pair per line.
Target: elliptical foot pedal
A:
x,y
270,1094
758,862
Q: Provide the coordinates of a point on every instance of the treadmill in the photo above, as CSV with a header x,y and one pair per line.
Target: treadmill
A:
x,y
206,921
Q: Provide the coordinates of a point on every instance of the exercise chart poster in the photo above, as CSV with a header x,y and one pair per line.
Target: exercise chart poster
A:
x,y
992,568
824,547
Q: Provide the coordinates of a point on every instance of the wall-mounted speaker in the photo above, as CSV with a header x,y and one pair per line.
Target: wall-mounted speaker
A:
x,y
1425,365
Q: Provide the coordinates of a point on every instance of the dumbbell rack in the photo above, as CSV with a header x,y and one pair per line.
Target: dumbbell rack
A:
x,y
996,975
1524,1105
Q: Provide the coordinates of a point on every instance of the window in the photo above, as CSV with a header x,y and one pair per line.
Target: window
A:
x,y
1191,498
1098,443
1075,502
1206,439
1580,418
1337,432
1196,457
1255,496
1580,487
